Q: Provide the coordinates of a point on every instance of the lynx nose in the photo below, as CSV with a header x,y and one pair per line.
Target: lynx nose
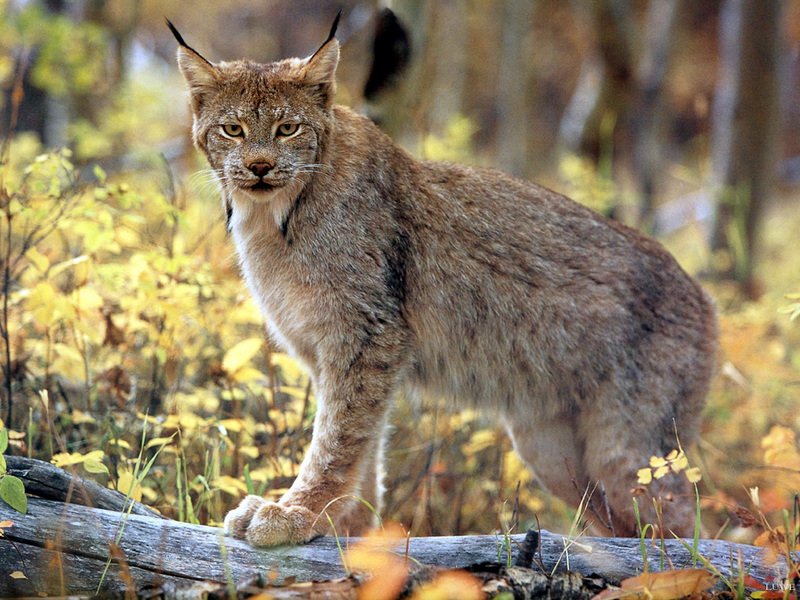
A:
x,y
259,169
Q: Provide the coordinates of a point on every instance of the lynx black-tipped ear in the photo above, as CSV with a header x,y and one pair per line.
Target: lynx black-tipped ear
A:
x,y
201,76
320,68
182,42
175,32
334,27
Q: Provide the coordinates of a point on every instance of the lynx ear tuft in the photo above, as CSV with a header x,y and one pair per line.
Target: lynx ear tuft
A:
x,y
201,76
320,68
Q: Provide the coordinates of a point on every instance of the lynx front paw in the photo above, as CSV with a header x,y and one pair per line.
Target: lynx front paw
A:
x,y
264,523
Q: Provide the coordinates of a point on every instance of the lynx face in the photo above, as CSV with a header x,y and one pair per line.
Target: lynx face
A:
x,y
262,127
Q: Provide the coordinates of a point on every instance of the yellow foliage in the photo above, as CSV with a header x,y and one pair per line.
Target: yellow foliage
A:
x,y
92,461
241,354
663,585
675,462
455,142
80,417
694,475
231,485
377,554
645,476
480,440
780,448
290,369
451,585
128,485
159,441
514,469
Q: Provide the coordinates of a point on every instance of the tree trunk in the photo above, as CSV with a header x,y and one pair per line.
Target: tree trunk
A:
x,y
512,86
745,122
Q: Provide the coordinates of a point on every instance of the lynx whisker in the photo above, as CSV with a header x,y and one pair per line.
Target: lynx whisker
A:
x,y
203,176
206,180
313,168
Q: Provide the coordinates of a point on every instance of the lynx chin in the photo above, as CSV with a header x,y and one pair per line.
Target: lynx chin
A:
x,y
381,273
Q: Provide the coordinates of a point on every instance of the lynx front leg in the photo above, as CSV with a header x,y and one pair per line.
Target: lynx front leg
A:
x,y
340,466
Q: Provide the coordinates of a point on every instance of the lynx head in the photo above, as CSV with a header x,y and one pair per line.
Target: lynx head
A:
x,y
263,127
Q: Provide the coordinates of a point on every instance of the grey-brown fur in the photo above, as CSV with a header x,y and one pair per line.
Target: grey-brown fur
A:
x,y
381,272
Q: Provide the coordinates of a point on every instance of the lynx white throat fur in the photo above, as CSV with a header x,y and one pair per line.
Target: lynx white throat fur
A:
x,y
381,273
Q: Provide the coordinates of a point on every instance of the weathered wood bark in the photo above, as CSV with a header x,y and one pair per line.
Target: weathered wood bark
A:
x,y
64,549
51,483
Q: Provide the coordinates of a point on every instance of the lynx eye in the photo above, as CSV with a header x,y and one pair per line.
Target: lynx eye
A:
x,y
232,130
287,129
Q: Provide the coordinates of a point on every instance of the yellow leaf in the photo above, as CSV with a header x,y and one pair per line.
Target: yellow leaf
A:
x,y
780,448
147,418
479,440
386,583
42,303
763,540
86,298
668,585
515,470
95,465
375,554
660,472
645,476
249,451
295,392
68,361
231,485
290,369
693,475
679,463
81,418
39,260
235,425
247,374
65,459
657,461
18,575
159,441
451,584
241,354
128,486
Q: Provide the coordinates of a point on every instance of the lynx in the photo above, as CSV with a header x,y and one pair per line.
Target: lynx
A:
x,y
382,273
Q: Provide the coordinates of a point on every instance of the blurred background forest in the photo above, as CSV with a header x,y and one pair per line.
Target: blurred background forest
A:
x,y
128,337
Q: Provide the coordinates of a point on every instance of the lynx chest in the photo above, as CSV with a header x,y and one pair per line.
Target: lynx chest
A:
x,y
284,288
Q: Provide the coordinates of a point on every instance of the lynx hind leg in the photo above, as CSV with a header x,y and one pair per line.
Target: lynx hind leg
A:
x,y
553,451
603,461
615,451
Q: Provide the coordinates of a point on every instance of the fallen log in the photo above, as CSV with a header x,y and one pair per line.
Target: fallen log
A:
x,y
68,549
52,483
